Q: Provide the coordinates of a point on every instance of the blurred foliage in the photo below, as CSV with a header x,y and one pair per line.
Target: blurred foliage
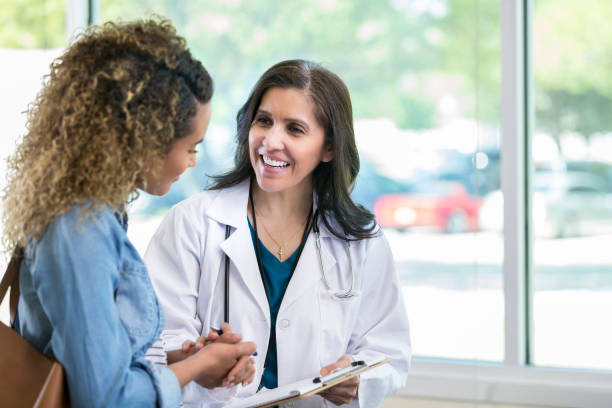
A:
x,y
473,49
32,24
400,58
572,60
395,56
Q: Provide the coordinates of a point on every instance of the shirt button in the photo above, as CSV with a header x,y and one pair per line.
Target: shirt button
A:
x,y
284,323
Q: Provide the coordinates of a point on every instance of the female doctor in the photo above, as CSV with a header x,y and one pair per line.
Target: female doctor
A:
x,y
310,277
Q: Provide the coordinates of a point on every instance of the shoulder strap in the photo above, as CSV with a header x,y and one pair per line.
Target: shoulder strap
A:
x,y
11,279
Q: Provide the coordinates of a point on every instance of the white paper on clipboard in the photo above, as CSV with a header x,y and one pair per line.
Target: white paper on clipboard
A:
x,y
304,388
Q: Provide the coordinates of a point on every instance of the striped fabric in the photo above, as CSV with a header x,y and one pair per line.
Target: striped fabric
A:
x,y
157,353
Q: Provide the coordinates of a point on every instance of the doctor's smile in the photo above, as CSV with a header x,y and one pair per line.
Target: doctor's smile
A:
x,y
273,163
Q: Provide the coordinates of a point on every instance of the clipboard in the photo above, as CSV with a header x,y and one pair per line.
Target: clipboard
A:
x,y
305,388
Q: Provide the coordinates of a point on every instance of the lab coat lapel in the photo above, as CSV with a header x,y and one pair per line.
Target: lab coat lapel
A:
x,y
308,271
229,208
240,250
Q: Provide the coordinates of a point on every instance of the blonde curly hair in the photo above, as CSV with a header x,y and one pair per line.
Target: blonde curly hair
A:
x,y
110,109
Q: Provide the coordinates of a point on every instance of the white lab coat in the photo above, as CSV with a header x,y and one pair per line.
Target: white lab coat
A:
x,y
186,261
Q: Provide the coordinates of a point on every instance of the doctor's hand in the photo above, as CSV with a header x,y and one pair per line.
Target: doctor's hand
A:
x,y
344,392
222,364
190,347
226,336
242,373
244,370
214,364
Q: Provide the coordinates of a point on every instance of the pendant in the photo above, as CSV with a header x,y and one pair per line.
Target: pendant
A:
x,y
280,254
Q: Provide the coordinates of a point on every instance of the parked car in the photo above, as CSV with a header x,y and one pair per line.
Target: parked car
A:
x,y
597,168
441,205
371,184
479,172
564,204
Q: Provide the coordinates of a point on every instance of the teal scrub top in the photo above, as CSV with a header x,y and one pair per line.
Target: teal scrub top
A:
x,y
278,275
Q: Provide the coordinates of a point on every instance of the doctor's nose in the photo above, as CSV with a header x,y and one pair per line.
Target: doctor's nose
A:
x,y
273,138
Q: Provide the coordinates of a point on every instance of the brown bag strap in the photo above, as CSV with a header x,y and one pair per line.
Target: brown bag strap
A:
x,y
11,279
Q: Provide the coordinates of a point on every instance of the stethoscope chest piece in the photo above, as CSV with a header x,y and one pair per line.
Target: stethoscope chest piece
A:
x,y
349,294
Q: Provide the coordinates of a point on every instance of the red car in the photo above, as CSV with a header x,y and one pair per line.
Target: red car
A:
x,y
443,205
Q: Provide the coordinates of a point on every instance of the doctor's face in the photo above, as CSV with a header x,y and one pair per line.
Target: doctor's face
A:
x,y
286,142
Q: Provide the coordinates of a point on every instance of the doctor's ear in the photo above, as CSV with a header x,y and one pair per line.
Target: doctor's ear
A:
x,y
328,153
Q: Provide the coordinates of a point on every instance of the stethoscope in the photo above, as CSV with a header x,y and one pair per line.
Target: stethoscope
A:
x,y
334,294
341,294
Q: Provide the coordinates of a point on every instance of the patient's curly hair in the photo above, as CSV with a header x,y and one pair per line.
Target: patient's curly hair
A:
x,y
110,109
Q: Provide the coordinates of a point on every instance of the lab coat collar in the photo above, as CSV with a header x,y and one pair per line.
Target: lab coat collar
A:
x,y
230,205
230,208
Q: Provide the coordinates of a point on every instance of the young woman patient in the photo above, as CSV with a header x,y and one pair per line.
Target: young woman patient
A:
x,y
122,109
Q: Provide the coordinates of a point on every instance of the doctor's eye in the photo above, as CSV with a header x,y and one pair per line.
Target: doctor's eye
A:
x,y
295,129
262,120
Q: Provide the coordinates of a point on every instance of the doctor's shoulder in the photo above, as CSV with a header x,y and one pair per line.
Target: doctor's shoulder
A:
x,y
360,248
187,220
203,201
377,246
196,205
376,234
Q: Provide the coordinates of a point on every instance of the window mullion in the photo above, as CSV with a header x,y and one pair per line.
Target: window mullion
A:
x,y
513,176
79,14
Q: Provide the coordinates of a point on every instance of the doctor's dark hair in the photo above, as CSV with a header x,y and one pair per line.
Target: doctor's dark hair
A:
x,y
110,110
332,181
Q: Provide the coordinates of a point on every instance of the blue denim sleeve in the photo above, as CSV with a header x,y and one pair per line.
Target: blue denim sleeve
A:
x,y
76,268
165,382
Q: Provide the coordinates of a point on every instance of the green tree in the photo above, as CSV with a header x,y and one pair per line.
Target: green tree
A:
x,y
32,24
371,45
572,56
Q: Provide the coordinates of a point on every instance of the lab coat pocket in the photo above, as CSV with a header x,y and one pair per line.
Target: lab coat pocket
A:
x,y
337,320
135,302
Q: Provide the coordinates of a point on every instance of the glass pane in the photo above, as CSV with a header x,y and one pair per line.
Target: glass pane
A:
x,y
29,41
424,78
28,24
572,197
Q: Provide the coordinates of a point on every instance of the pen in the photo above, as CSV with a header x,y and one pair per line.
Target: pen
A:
x,y
220,333
338,372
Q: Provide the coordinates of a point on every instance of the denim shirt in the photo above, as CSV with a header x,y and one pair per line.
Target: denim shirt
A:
x,y
87,301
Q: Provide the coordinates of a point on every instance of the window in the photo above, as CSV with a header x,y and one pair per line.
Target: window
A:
x,y
424,78
572,150
30,39
32,25
500,244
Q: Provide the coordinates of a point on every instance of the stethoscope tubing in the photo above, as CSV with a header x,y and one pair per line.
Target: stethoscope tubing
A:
x,y
226,300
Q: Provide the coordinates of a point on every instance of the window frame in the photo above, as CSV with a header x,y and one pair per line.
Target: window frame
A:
x,y
513,381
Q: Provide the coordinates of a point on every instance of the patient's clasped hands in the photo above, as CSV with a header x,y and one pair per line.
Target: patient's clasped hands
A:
x,y
228,357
